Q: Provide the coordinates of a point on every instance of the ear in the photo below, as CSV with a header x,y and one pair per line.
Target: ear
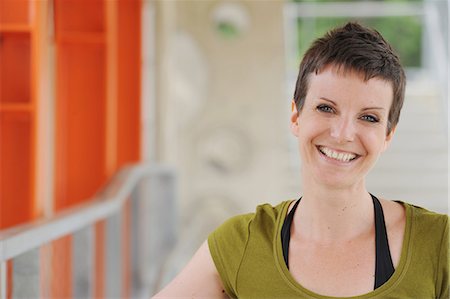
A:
x,y
294,119
388,139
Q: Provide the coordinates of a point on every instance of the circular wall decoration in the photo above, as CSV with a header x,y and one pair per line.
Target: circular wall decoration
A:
x,y
230,19
225,150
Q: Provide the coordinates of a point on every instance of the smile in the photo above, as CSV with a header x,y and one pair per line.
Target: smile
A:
x,y
338,156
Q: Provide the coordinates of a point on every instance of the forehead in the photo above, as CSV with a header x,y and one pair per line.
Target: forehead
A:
x,y
340,84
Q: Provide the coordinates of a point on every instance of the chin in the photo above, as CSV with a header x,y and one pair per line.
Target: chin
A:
x,y
336,180
334,183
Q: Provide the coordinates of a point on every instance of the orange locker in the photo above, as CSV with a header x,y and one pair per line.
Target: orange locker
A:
x,y
98,104
18,119
97,113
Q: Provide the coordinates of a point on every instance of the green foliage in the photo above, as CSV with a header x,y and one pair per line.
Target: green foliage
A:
x,y
227,30
403,33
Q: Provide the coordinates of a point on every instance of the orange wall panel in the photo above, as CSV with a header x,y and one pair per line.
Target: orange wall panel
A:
x,y
60,282
129,87
14,12
18,116
95,114
126,249
15,67
16,167
79,16
99,287
80,124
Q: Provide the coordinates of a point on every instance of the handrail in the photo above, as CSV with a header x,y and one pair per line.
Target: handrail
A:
x,y
22,238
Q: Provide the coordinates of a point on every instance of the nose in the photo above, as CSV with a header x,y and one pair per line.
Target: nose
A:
x,y
343,130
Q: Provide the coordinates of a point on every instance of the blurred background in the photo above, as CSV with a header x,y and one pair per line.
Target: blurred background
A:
x,y
130,129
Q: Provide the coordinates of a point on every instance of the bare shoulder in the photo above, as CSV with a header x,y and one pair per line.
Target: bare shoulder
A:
x,y
199,279
394,213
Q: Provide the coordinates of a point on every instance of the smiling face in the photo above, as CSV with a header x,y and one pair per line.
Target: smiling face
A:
x,y
341,128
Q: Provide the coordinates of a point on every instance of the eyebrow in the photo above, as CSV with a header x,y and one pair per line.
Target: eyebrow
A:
x,y
364,109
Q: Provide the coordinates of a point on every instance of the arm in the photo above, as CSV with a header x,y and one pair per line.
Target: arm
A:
x,y
199,279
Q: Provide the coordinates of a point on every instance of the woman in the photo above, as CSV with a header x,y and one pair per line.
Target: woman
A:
x,y
337,240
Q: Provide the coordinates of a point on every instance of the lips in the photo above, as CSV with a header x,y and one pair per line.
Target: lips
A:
x,y
340,156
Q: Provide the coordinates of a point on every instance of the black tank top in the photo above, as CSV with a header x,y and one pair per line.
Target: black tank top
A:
x,y
384,268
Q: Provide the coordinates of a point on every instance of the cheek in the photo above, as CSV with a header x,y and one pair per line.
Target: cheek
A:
x,y
374,143
308,136
307,132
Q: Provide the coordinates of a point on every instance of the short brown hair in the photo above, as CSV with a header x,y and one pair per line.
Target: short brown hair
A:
x,y
357,48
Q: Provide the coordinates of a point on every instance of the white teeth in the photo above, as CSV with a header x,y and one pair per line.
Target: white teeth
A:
x,y
344,157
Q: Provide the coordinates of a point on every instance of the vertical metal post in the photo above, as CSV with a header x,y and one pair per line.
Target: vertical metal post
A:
x,y
3,280
113,257
161,234
83,250
26,275
136,247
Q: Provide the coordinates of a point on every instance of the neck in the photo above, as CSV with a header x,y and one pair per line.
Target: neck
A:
x,y
328,214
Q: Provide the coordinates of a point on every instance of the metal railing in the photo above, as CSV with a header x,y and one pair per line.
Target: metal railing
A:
x,y
150,191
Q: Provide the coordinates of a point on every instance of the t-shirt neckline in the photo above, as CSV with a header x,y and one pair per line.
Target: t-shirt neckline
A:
x,y
393,281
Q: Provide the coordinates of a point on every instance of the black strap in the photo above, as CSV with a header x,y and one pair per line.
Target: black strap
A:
x,y
384,268
286,232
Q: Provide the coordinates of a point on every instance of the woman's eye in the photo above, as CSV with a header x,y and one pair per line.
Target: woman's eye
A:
x,y
370,118
325,108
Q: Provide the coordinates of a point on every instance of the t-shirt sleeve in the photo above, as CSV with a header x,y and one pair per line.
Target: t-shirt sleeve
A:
x,y
227,245
443,282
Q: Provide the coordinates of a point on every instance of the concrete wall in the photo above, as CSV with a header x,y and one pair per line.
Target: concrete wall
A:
x,y
223,114
228,111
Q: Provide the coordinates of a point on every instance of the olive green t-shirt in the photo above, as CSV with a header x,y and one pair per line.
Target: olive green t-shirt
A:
x,y
248,255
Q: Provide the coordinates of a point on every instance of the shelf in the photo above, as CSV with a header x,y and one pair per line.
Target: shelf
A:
x,y
15,12
82,38
13,107
12,28
15,67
